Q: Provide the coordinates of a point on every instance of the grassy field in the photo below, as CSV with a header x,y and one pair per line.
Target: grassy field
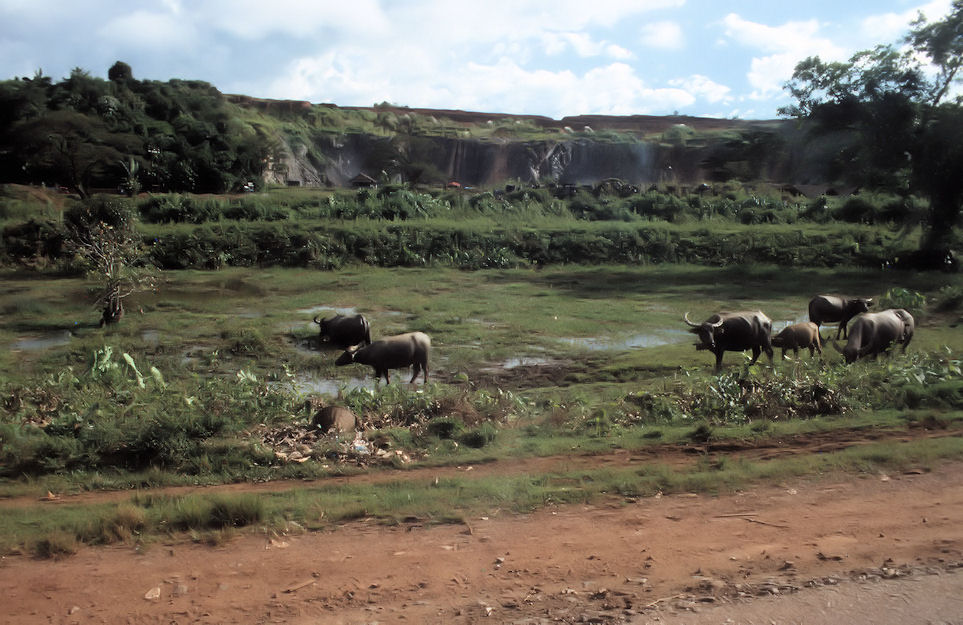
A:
x,y
526,363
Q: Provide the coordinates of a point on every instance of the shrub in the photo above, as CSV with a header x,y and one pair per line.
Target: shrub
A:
x,y
479,436
445,428
856,210
56,545
899,297
949,298
173,208
236,511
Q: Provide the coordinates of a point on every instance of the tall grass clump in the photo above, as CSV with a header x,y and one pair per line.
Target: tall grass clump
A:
x,y
807,389
118,414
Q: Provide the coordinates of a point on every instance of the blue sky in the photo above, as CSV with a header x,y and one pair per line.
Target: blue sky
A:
x,y
553,58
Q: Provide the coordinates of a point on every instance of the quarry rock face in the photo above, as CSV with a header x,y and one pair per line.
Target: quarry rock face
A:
x,y
481,163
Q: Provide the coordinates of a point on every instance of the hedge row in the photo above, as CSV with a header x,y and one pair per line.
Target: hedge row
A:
x,y
411,245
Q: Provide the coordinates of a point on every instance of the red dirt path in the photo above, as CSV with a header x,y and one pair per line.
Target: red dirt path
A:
x,y
674,559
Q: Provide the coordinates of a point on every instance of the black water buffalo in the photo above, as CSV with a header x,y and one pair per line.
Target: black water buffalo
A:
x,y
345,331
799,335
836,309
872,334
394,352
734,332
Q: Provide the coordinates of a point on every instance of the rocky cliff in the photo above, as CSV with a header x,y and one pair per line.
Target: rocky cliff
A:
x,y
638,150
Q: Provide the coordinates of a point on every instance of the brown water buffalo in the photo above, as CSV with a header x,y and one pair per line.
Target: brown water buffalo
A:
x,y
394,352
335,418
799,335
734,332
836,309
344,331
873,334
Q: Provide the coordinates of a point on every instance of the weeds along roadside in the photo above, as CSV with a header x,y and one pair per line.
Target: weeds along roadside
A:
x,y
122,424
120,417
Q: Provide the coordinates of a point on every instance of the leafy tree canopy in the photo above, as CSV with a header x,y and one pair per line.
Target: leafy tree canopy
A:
x,y
85,132
890,104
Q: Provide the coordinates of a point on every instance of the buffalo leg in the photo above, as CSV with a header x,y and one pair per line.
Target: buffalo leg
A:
x,y
755,355
423,366
718,360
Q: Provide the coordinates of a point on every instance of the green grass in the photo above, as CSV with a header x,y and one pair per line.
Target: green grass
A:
x,y
222,342
58,531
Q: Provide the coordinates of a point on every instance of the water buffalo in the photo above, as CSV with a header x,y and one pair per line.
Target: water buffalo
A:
x,y
344,331
799,335
836,309
335,418
872,334
394,352
734,332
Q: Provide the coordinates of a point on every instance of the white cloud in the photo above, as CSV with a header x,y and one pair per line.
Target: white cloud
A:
x,y
618,52
705,88
787,44
254,19
890,27
503,86
583,45
666,35
143,29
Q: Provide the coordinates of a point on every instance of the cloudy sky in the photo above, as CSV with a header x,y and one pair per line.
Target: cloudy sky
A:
x,y
556,58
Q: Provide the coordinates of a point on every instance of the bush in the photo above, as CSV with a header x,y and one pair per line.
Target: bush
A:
x,y
479,436
856,210
445,428
175,208
899,297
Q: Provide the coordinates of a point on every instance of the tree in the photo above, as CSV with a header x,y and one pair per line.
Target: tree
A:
x,y
120,72
102,235
890,105
70,148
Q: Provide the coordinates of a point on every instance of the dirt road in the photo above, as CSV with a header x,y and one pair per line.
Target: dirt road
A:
x,y
877,549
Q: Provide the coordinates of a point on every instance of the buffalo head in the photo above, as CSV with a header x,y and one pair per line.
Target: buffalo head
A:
x,y
707,331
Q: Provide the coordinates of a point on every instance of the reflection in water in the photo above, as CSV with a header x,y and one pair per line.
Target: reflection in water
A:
x,y
665,337
304,384
55,339
779,326
525,361
316,310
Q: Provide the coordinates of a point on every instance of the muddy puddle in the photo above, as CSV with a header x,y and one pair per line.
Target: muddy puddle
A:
x,y
318,310
38,343
527,361
306,384
635,341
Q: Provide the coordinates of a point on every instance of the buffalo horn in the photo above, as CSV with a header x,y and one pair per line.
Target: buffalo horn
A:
x,y
836,345
694,325
317,319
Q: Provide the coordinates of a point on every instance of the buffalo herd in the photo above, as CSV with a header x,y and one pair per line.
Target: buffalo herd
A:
x,y
869,335
352,333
